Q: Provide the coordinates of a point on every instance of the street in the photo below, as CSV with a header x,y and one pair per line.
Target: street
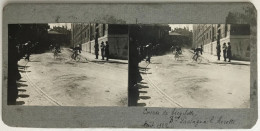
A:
x,y
184,83
66,82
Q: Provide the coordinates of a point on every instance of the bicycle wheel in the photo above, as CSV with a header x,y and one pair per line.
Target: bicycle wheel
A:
x,y
199,59
192,58
77,58
55,55
176,56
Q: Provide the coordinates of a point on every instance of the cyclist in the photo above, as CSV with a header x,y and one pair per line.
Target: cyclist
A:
x,y
76,52
196,53
178,50
56,51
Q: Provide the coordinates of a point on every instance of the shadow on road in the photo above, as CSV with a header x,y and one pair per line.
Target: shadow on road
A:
x,y
155,63
21,85
142,86
230,63
22,90
144,73
23,71
23,95
103,62
142,91
144,97
35,61
20,102
141,104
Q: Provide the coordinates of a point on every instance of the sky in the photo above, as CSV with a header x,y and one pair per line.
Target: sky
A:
x,y
60,24
171,25
181,26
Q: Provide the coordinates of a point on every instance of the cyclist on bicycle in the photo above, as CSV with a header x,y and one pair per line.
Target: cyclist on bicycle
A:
x,y
196,53
178,50
76,52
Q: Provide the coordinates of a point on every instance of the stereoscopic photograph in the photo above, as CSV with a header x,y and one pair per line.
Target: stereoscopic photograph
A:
x,y
190,66
130,65
67,64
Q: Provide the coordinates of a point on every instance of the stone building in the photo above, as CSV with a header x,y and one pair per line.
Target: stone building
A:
x,y
84,34
61,39
238,35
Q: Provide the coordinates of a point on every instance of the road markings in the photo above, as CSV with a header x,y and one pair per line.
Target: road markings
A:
x,y
160,91
39,90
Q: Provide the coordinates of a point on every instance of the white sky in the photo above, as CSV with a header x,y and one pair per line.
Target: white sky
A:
x,y
181,26
60,24
171,25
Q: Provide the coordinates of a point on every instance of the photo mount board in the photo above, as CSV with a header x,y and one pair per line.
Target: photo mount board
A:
x,y
130,117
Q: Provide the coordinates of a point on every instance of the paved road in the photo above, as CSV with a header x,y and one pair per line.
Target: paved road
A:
x,y
65,82
183,83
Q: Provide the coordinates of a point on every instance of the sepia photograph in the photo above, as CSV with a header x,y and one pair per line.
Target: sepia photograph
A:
x,y
67,64
190,66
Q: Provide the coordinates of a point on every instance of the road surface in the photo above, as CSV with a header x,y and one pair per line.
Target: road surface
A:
x,y
182,83
65,82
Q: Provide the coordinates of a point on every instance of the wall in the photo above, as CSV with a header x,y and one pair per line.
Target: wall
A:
x,y
240,47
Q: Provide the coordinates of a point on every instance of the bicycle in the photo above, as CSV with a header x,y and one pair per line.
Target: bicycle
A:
x,y
177,55
75,56
196,57
55,54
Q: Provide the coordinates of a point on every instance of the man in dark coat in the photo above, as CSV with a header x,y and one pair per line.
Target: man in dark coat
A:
x,y
229,52
96,49
218,50
107,50
102,46
224,51
28,50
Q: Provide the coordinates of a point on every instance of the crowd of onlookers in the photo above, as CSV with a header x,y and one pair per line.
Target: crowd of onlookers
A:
x,y
17,51
226,51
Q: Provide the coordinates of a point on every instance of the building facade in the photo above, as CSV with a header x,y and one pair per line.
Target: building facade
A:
x,y
207,36
84,34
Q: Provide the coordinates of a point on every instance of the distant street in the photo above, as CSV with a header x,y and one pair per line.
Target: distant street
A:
x,y
66,82
182,83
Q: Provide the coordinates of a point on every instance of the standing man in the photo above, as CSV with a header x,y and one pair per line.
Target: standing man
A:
x,y
107,50
96,49
149,48
224,51
229,52
28,50
218,50
201,49
102,46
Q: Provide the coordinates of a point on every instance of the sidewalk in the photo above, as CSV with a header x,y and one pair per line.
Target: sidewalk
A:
x,y
214,59
91,57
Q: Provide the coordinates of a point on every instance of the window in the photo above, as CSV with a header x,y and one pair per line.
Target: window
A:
x,y
104,29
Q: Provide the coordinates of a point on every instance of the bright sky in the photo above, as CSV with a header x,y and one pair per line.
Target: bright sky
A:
x,y
60,24
181,26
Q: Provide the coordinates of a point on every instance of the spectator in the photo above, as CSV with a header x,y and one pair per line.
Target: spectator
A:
x,y
107,50
229,52
96,49
224,51
102,46
28,50
218,50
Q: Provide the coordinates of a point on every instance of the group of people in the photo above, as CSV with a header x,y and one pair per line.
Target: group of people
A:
x,y
226,51
26,49
17,51
104,50
176,49
147,51
55,47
